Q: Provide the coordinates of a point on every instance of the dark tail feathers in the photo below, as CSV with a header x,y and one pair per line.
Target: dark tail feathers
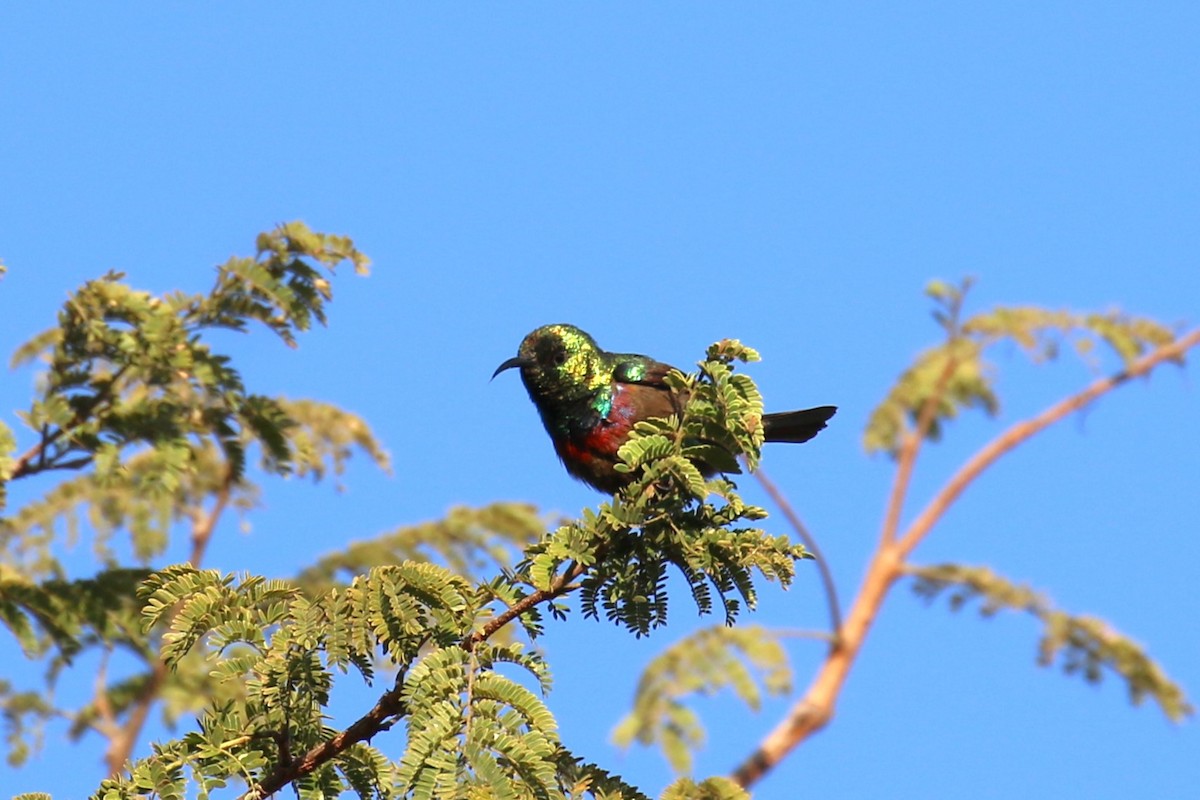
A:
x,y
797,426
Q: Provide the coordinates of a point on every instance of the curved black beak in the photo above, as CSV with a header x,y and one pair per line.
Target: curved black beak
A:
x,y
515,361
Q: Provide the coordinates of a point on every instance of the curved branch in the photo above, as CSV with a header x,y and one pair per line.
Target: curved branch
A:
x,y
915,437
1022,431
24,465
816,707
831,597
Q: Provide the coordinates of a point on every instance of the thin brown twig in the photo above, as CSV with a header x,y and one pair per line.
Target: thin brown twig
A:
x,y
816,707
202,531
913,439
22,466
809,716
558,586
810,543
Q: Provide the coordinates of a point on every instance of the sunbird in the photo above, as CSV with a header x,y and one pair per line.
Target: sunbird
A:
x,y
589,400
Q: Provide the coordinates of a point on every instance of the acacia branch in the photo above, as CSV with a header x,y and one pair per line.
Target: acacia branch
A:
x,y
558,587
381,717
1022,431
816,707
389,707
106,722
911,448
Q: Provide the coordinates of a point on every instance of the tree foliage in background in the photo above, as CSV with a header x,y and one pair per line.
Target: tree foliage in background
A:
x,y
154,432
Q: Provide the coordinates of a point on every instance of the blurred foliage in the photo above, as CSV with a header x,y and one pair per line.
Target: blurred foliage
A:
x,y
711,789
956,376
1086,645
703,663
472,542
155,427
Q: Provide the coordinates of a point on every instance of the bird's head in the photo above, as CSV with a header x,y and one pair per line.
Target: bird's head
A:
x,y
559,363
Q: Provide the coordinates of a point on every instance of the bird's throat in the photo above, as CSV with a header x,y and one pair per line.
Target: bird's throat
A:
x,y
577,415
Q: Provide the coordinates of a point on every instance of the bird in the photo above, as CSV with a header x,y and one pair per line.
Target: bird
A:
x,y
590,399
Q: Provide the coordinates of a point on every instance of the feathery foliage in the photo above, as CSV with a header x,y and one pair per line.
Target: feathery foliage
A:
x,y
711,789
580,779
126,368
1087,645
704,663
467,723
470,730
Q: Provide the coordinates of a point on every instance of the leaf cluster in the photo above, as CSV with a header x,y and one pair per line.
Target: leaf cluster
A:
x,y
155,425
1086,645
956,375
158,426
127,368
471,730
703,663
468,724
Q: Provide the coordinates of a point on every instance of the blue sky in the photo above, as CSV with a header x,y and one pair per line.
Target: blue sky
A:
x,y
665,175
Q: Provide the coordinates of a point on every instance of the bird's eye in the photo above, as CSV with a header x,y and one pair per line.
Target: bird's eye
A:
x,y
560,358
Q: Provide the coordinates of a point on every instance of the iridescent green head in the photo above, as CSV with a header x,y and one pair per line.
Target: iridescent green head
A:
x,y
560,364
